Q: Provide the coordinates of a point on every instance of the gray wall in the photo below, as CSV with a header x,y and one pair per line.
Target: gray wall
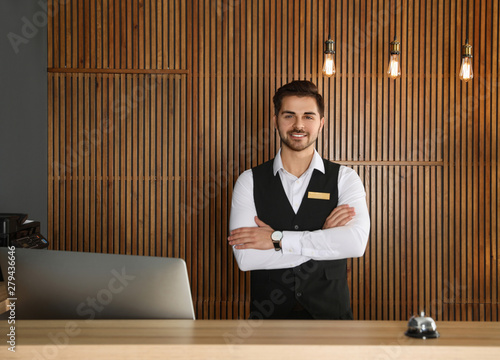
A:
x,y
23,108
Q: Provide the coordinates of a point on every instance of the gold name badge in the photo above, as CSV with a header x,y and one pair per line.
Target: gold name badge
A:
x,y
318,195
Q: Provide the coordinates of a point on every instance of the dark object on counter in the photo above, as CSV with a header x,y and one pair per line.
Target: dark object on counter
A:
x,y
17,231
422,327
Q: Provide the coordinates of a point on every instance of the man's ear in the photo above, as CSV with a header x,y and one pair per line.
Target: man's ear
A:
x,y
322,122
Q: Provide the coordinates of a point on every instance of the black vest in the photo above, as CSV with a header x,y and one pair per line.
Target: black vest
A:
x,y
320,287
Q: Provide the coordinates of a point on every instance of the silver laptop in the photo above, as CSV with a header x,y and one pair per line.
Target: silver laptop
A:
x,y
52,284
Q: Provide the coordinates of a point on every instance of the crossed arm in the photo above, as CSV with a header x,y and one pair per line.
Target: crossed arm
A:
x,y
344,233
259,237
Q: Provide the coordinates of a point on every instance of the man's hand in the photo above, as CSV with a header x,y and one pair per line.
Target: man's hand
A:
x,y
339,216
252,237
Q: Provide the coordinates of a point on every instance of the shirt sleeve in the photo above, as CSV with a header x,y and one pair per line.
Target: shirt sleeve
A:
x,y
340,242
243,213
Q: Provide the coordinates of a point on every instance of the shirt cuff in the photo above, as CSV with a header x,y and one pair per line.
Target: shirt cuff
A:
x,y
290,243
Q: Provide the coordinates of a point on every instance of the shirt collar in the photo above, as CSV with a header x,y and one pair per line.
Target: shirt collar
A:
x,y
316,163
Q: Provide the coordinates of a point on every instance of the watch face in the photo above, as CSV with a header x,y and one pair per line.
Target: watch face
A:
x,y
277,235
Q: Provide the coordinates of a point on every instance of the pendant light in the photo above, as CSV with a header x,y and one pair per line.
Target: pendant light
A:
x,y
329,64
394,69
466,68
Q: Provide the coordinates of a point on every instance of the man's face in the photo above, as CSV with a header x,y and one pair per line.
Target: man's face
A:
x,y
298,122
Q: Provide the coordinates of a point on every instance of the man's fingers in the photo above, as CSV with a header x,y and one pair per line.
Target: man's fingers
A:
x,y
344,217
338,209
243,246
243,230
339,216
343,220
239,240
340,212
241,234
247,236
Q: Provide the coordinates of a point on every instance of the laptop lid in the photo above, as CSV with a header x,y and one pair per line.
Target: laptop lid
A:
x,y
51,284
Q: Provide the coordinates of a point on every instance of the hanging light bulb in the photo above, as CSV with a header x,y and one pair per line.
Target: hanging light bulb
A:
x,y
394,69
466,67
329,65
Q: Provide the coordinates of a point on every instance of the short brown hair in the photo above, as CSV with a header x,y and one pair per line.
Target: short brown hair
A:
x,y
300,88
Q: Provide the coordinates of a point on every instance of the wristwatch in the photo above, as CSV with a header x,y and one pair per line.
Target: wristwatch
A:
x,y
276,238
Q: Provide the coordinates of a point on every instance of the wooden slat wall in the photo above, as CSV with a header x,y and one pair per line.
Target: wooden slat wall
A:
x,y
155,107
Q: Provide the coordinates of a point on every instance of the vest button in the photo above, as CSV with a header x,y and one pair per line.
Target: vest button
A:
x,y
296,227
299,294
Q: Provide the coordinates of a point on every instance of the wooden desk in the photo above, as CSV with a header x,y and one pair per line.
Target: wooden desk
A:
x,y
240,339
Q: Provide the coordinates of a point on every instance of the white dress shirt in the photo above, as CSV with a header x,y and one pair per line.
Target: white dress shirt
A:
x,y
300,246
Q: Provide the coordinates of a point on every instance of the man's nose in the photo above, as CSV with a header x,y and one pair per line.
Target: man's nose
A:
x,y
299,123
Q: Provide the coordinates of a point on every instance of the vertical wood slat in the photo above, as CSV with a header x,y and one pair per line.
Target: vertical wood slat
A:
x,y
495,179
136,160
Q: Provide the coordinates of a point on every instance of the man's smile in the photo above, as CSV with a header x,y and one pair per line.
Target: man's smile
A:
x,y
298,135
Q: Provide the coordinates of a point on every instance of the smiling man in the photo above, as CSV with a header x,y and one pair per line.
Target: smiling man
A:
x,y
297,218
